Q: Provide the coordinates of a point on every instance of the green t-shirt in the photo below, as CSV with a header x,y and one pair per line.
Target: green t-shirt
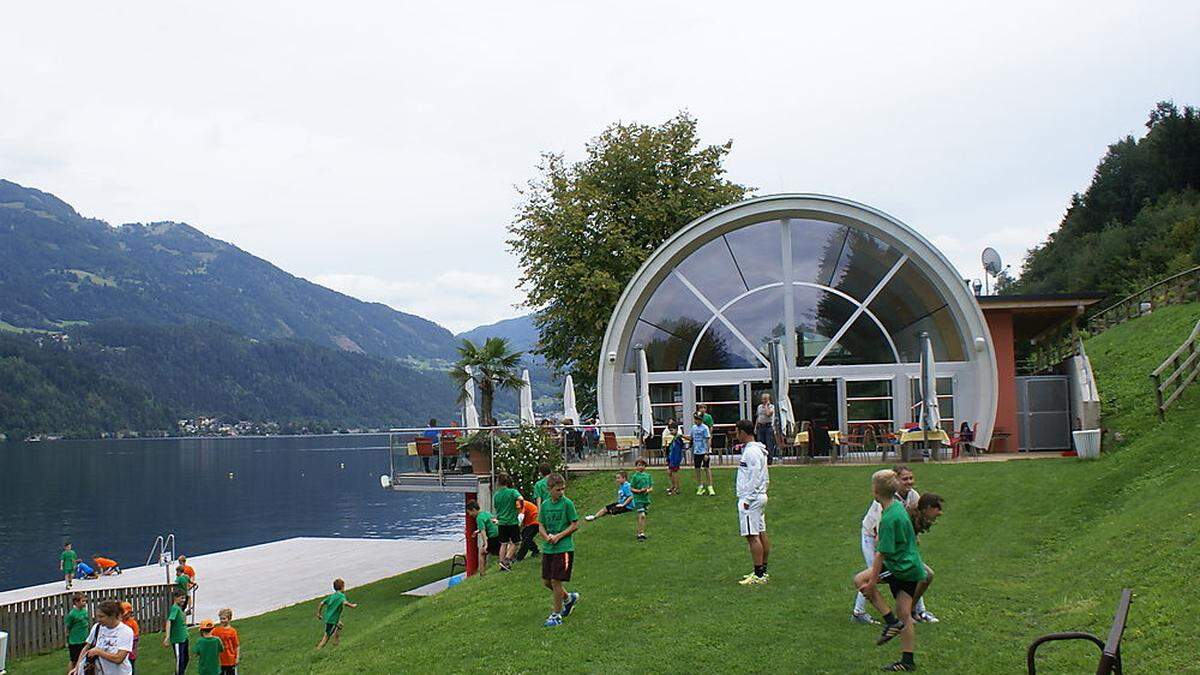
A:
x,y
77,622
68,561
209,650
557,516
333,607
178,621
182,582
505,501
640,480
540,491
483,521
898,544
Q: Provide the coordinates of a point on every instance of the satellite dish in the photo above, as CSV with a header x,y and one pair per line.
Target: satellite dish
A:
x,y
991,261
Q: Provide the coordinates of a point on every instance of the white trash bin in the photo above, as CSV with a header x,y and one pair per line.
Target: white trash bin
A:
x,y
1087,443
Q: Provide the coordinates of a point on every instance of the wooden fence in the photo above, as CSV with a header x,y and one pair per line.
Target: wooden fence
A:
x,y
36,625
1175,289
1174,374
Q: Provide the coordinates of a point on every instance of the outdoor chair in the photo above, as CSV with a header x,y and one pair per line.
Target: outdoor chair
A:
x,y
610,445
1110,650
425,450
449,453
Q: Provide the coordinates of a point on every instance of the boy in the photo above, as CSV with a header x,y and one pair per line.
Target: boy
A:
x,y
77,622
540,491
752,482
700,435
228,635
529,530
508,503
708,419
897,562
674,455
209,650
487,531
187,569
114,641
559,520
68,560
184,583
106,566
128,620
175,632
624,503
332,613
641,484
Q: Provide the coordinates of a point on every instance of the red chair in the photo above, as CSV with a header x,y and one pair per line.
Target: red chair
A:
x,y
425,450
449,452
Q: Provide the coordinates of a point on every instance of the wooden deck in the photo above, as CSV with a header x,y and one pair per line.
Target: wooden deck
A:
x,y
250,580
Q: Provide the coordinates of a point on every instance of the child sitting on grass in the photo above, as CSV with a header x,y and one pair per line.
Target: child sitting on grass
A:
x,y
330,611
624,503
488,532
558,521
229,639
208,650
641,484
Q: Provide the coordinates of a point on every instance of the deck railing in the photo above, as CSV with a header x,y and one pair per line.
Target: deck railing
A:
x,y
36,625
1175,289
1175,373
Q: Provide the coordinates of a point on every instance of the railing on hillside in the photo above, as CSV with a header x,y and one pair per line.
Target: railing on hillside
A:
x,y
1175,289
1174,374
1046,355
36,625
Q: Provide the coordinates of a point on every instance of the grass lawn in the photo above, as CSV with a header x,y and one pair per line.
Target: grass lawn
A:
x,y
1024,548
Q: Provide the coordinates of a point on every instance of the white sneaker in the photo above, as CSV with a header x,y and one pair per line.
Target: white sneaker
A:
x,y
589,518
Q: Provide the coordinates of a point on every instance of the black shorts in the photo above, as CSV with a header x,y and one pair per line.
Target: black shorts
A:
x,y
557,566
493,545
510,534
330,628
898,586
75,651
700,461
614,509
228,670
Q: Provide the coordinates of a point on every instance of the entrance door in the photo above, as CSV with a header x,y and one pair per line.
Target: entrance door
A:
x,y
1044,412
816,402
752,392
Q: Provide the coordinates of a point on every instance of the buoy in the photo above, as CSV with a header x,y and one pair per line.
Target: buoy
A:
x,y
342,465
385,481
230,475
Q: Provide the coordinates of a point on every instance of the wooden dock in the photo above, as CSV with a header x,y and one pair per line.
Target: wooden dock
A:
x,y
250,580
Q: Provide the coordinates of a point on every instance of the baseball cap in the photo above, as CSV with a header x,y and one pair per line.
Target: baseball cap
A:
x,y
207,624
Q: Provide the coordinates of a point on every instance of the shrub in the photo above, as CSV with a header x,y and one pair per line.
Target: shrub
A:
x,y
520,454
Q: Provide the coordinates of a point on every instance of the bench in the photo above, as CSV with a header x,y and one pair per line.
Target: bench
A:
x,y
1110,651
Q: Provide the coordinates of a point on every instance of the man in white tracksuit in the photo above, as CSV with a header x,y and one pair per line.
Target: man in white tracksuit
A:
x,y
752,481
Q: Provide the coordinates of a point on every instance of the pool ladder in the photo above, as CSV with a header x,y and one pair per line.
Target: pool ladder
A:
x,y
163,551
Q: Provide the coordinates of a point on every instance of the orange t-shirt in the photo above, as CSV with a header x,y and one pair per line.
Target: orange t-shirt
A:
x,y
137,630
191,573
104,562
229,638
530,512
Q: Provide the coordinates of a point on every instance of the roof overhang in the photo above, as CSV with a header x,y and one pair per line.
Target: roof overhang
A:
x,y
1035,316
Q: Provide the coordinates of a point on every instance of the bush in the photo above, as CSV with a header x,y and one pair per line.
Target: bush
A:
x,y
520,454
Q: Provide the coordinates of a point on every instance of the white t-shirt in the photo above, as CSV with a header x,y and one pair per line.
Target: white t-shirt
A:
x,y
752,477
870,522
764,413
113,640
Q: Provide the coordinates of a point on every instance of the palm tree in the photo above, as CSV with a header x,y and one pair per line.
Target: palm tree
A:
x,y
492,366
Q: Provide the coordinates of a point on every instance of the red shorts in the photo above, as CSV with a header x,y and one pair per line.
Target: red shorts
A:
x,y
557,566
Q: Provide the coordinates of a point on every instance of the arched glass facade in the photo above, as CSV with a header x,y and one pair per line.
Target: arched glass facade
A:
x,y
848,291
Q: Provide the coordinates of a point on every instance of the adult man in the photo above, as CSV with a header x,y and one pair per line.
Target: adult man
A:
x,y
764,424
752,481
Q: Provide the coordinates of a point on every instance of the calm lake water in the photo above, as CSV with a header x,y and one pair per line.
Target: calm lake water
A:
x,y
114,497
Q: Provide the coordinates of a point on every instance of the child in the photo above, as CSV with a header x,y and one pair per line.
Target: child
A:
x,y
106,566
128,620
187,569
674,455
529,530
209,650
927,511
229,639
641,484
624,503
184,583
77,622
85,571
332,614
700,436
175,632
559,520
114,641
487,531
897,562
909,497
68,559
508,504
540,492
752,482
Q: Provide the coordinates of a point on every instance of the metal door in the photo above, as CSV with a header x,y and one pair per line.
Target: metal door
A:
x,y
1044,412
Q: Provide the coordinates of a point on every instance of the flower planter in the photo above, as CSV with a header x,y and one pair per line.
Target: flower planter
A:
x,y
481,461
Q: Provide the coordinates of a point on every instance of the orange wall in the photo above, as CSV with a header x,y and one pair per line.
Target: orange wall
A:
x,y
1001,326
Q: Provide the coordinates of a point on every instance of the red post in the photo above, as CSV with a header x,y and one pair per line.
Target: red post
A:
x,y
472,546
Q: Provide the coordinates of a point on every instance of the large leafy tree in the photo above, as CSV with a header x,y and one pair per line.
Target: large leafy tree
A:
x,y
493,366
583,229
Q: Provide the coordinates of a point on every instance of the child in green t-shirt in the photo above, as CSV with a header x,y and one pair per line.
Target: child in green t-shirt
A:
x,y
175,632
557,521
540,492
487,532
641,484
330,611
508,503
208,650
68,559
77,623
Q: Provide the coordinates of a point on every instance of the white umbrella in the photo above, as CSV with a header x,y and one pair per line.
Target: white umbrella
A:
x,y
779,377
930,415
470,415
569,410
526,399
644,411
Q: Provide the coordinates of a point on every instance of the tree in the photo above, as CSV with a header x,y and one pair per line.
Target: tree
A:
x,y
583,229
493,367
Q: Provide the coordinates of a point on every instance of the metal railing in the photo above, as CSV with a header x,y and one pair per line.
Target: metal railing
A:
x,y
161,546
1182,372
1175,289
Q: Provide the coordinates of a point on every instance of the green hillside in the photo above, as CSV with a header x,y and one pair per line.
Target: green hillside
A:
x,y
1025,547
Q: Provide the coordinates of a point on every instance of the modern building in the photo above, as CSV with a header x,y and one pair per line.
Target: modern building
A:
x,y
846,288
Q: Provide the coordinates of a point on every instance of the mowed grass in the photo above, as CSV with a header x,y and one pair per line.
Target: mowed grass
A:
x,y
1024,548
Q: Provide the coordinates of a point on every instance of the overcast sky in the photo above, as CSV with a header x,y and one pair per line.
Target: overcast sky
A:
x,y
374,147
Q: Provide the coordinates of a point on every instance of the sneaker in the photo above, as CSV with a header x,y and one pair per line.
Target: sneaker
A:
x,y
752,580
589,518
926,617
553,620
900,667
505,567
641,537
863,618
890,631
569,604
700,490
711,491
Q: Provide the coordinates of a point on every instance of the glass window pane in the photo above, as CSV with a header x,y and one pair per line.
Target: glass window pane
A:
x,y
664,351
862,264
877,409
910,304
713,271
719,349
756,249
720,392
759,317
666,393
868,388
819,316
817,247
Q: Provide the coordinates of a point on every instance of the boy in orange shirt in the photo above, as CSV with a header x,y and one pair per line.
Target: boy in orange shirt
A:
x,y
529,530
229,637
128,620
106,566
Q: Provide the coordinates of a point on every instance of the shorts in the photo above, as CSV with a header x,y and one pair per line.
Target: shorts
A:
x,y
229,670
510,534
615,509
752,520
672,468
898,586
641,508
75,651
330,628
557,566
700,461
493,546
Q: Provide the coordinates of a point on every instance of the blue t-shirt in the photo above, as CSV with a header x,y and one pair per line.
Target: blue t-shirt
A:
x,y
83,570
623,493
432,435
700,436
675,452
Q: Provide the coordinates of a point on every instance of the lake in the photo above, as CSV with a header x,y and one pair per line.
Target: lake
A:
x,y
113,497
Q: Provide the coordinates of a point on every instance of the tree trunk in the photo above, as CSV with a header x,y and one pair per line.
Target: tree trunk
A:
x,y
485,402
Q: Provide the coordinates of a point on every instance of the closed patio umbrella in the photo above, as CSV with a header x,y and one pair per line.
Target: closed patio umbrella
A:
x,y
470,415
526,399
569,410
931,418
645,413
779,381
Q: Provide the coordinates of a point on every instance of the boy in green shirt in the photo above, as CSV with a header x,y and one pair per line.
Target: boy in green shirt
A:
x,y
330,611
557,521
175,632
77,622
508,502
68,559
487,531
208,649
641,484
898,562
540,492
